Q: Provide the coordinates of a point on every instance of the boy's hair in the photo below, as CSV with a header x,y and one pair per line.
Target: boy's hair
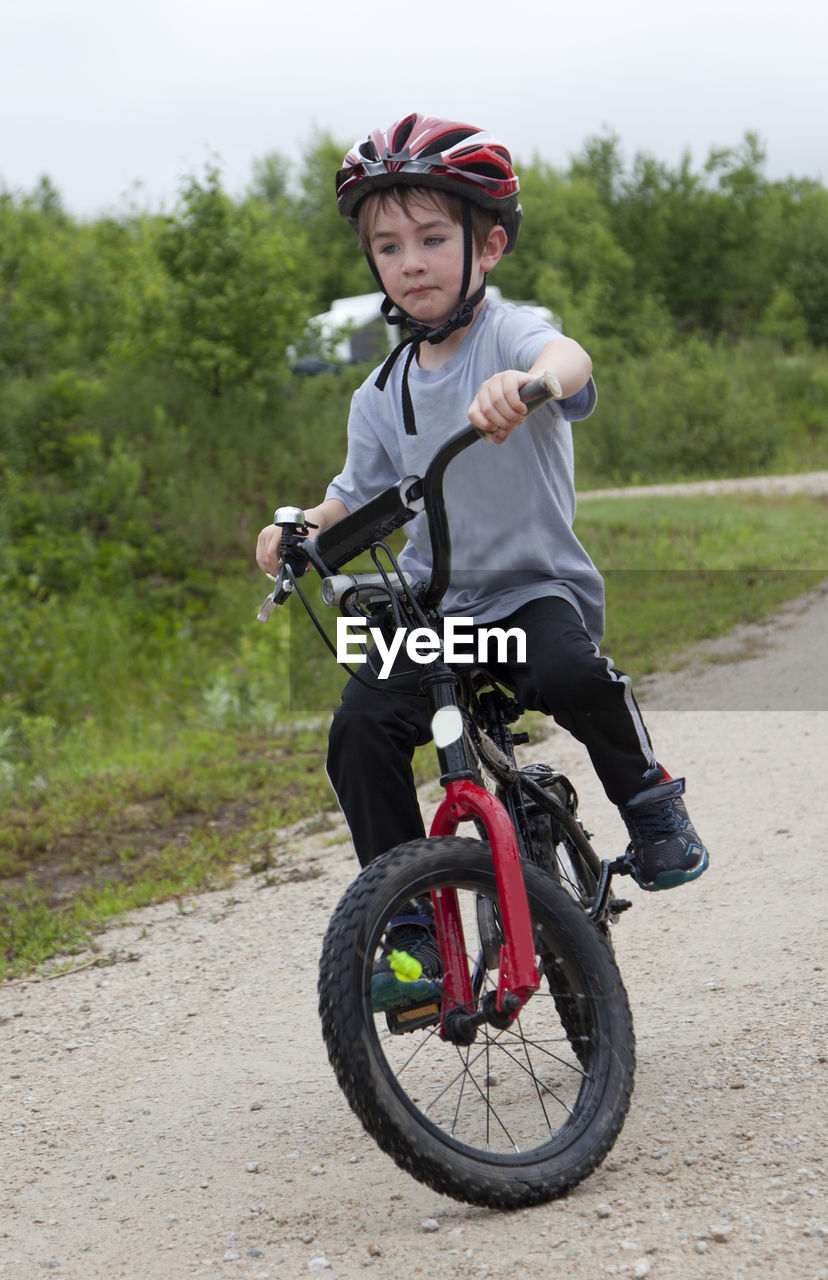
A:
x,y
407,197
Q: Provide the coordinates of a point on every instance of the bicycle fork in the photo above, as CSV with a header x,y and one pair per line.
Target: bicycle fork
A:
x,y
465,800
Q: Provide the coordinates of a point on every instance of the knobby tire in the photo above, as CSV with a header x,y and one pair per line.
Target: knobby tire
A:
x,y
525,1112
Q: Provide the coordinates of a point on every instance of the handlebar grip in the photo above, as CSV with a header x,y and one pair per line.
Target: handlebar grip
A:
x,y
540,390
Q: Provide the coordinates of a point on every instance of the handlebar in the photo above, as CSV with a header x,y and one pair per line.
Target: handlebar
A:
x,y
345,539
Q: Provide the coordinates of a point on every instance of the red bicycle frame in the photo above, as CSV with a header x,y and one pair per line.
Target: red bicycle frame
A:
x,y
518,971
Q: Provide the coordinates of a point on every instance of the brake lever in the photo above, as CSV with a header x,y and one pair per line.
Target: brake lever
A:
x,y
278,595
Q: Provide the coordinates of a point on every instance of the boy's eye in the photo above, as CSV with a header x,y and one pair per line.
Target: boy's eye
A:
x,y
432,240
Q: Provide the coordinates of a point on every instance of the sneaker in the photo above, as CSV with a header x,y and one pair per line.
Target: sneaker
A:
x,y
410,972
664,849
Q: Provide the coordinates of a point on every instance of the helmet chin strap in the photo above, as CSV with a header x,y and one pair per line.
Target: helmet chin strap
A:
x,y
419,333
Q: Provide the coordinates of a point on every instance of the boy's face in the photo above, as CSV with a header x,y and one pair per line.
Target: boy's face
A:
x,y
419,257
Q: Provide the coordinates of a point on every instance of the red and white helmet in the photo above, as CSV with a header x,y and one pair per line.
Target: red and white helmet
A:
x,y
424,151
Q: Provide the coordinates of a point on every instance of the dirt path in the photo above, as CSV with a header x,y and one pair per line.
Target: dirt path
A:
x,y
174,1115
813,482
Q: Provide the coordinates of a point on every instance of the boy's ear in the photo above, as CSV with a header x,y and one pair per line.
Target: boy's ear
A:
x,y
495,247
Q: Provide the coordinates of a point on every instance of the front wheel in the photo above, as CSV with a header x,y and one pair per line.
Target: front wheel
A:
x,y
526,1110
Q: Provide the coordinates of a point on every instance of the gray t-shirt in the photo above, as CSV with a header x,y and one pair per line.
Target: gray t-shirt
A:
x,y
511,506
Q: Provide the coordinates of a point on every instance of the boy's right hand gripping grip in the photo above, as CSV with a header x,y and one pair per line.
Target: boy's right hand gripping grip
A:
x,y
534,393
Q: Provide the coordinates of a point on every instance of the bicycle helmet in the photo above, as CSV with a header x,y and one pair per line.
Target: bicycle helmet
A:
x,y
424,151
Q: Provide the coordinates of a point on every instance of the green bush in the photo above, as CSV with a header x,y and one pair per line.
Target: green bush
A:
x,y
677,414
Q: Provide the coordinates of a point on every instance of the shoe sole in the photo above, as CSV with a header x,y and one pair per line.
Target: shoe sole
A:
x,y
672,879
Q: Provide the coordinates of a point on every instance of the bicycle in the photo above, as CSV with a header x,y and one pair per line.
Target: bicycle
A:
x,y
506,1079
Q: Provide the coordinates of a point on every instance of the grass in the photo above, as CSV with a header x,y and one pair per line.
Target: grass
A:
x,y
681,570
198,797
156,826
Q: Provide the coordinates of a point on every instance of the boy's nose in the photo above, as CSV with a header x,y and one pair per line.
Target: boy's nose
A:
x,y
412,261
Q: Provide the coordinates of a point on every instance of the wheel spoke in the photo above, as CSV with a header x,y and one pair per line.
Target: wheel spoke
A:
x,y
423,1059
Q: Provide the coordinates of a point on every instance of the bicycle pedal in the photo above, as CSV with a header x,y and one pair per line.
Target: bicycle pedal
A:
x,y
404,1020
617,905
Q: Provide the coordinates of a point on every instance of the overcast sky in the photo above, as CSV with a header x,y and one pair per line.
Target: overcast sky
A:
x,y
116,100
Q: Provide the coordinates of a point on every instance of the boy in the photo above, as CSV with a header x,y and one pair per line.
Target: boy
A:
x,y
435,204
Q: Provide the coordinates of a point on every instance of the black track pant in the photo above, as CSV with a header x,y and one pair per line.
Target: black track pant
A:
x,y
375,731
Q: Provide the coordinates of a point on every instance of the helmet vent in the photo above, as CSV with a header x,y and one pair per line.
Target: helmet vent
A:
x,y
445,142
403,134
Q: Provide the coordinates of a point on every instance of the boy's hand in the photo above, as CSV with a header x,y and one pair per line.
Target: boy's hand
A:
x,y
269,545
497,407
267,549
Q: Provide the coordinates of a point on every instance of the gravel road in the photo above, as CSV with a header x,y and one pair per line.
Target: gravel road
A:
x,y
813,482
174,1114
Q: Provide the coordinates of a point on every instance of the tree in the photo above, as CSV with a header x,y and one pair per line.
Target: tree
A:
x,y
271,179
567,257
235,300
337,268
701,243
36,318
805,252
602,165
